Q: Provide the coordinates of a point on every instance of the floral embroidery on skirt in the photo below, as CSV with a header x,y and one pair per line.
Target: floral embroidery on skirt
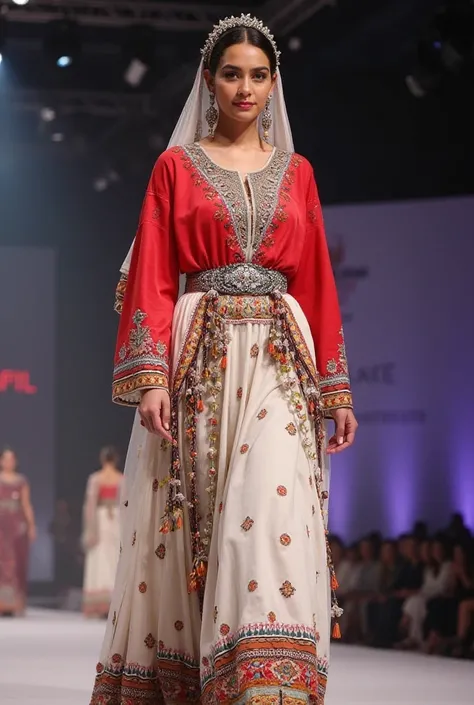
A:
x,y
226,613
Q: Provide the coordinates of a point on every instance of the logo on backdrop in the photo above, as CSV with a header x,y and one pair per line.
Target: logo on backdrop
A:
x,y
16,380
346,276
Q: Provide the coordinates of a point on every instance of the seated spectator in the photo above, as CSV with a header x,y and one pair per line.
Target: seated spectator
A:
x,y
388,576
445,613
436,583
407,583
364,588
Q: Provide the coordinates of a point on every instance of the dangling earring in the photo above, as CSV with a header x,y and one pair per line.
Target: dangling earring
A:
x,y
267,119
212,115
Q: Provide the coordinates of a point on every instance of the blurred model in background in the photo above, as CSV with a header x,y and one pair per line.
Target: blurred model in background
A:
x,y
17,531
101,534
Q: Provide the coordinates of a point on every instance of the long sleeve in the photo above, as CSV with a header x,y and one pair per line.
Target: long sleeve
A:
x,y
146,298
314,287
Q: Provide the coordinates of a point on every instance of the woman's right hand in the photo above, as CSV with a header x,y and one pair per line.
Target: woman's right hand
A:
x,y
155,413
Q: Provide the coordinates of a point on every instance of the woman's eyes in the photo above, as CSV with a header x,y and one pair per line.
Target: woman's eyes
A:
x,y
257,76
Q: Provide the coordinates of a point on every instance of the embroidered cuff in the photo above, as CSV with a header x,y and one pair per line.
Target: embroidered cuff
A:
x,y
128,391
142,364
120,293
341,399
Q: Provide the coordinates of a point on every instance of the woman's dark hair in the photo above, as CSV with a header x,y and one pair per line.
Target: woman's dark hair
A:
x,y
241,35
109,455
8,449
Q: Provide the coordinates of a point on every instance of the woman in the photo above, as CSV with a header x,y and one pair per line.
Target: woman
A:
x,y
221,590
101,534
17,531
437,579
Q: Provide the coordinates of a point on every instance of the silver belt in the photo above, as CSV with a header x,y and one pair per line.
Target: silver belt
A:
x,y
236,279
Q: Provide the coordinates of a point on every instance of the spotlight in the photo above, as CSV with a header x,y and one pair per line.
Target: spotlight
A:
x,y
21,2
139,52
294,44
100,184
47,114
62,43
64,61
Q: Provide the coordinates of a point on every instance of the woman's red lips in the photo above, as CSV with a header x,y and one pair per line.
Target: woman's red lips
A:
x,y
244,104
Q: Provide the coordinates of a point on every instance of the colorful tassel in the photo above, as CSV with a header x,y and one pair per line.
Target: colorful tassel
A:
x,y
336,631
334,583
224,362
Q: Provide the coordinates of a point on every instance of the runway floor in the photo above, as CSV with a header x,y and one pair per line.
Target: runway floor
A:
x,y
48,658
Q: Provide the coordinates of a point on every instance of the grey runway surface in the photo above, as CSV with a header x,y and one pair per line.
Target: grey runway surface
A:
x,y
49,658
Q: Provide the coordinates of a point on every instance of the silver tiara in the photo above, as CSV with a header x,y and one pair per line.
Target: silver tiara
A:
x,y
230,23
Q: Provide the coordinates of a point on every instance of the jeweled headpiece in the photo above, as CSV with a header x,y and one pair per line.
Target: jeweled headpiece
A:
x,y
231,23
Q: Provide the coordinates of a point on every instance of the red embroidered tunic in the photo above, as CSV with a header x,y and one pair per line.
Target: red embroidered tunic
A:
x,y
197,215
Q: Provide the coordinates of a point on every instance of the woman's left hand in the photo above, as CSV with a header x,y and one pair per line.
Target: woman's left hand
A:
x,y
346,427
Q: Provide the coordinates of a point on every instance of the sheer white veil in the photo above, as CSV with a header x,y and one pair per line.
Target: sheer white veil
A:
x,y
192,120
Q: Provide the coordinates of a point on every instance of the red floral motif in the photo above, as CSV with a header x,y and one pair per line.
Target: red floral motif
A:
x,y
142,587
224,629
216,614
150,641
291,428
156,484
252,586
221,507
287,589
247,524
161,551
99,668
325,494
254,350
116,658
239,393
205,661
285,540
178,625
261,414
282,491
272,617
244,448
134,538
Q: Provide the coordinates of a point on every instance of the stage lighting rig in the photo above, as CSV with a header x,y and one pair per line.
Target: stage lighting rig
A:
x,y
445,49
139,51
62,43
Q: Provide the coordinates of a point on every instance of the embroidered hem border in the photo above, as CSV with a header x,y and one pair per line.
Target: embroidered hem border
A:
x,y
252,668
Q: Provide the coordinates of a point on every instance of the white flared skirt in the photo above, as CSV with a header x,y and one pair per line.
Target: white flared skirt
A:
x,y
101,564
233,605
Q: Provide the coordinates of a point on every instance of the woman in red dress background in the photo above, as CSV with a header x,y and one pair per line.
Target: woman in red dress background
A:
x,y
223,591
17,531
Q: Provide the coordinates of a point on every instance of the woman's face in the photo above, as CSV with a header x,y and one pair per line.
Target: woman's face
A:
x,y
388,553
438,552
242,83
425,551
8,461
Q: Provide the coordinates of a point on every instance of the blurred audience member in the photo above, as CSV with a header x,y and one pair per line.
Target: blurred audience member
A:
x,y
437,574
17,531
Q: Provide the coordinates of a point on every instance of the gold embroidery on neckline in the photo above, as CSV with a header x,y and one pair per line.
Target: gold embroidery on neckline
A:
x,y
263,199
